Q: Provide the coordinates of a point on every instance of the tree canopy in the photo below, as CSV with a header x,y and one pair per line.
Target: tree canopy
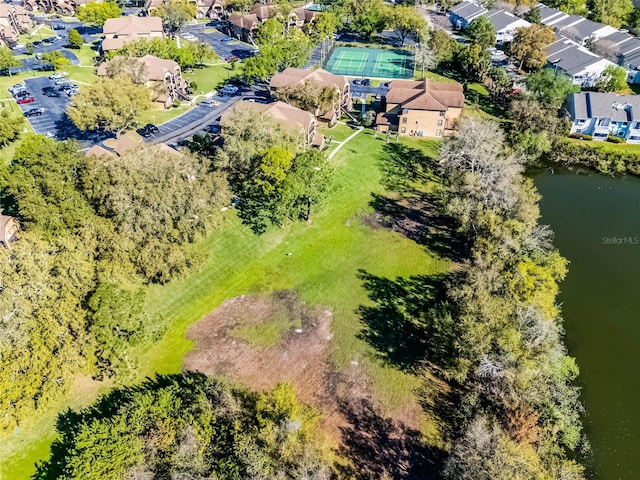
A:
x,y
612,79
189,426
75,39
528,46
369,17
611,12
96,13
549,88
404,20
11,124
482,33
7,60
175,14
112,104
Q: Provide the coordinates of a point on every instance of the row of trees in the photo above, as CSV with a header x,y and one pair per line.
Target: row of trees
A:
x,y
94,229
192,427
189,54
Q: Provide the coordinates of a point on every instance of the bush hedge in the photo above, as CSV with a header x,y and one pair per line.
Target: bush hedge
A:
x,y
603,160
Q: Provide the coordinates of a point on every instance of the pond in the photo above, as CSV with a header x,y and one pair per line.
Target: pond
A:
x,y
597,224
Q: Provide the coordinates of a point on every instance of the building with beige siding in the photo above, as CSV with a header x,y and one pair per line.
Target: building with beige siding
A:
x,y
119,31
422,108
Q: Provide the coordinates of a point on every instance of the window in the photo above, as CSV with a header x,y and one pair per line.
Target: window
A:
x,y
420,133
403,130
579,122
404,119
442,114
438,132
439,123
636,125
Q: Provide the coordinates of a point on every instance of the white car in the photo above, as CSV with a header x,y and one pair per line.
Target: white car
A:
x,y
56,76
190,37
210,103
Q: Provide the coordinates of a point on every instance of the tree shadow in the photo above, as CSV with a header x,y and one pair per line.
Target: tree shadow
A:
x,y
408,324
403,167
380,447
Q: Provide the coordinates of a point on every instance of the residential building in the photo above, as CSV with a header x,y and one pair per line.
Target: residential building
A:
x,y
574,27
245,26
123,144
505,24
213,9
603,114
62,7
583,66
290,117
423,108
14,20
464,13
119,31
298,76
9,229
162,77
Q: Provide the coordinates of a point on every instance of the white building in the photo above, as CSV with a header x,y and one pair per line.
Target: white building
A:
x,y
464,13
505,24
574,27
604,114
583,66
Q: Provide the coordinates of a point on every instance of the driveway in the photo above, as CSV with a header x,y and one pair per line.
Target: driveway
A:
x,y
223,49
54,122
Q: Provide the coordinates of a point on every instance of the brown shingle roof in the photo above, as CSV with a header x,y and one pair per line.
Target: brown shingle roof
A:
x,y
293,76
425,94
263,11
98,151
155,68
288,115
132,25
246,22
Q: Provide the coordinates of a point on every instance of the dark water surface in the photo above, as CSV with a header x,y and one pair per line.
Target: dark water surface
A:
x,y
597,224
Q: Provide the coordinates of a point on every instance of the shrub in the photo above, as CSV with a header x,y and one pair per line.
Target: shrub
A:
x,y
614,139
594,156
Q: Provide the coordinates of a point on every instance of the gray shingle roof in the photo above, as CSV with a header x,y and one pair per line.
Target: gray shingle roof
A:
x,y
573,59
570,20
500,19
467,10
628,47
619,108
548,13
558,46
585,28
616,38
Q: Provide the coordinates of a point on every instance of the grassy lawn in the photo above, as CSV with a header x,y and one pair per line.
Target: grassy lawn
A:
x,y
82,75
161,115
85,54
211,77
608,146
339,132
325,258
38,33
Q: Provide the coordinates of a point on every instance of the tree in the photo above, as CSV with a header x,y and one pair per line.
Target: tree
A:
x,y
324,26
11,125
425,57
499,84
482,33
242,6
175,14
444,47
612,79
475,61
533,16
571,7
189,426
549,88
7,60
56,59
528,46
111,103
96,13
202,52
186,196
405,20
611,12
369,17
128,67
75,39
309,96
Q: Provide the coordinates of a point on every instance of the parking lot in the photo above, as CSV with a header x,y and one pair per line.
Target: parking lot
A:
x,y
223,49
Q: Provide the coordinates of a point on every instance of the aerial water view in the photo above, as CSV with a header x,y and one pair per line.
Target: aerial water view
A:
x,y
319,240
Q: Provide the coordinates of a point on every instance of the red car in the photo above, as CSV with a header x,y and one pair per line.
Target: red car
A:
x,y
232,58
21,101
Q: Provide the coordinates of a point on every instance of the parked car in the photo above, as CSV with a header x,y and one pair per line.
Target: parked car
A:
x,y
49,40
143,132
57,26
152,128
17,86
22,94
227,39
22,101
357,81
366,82
189,36
213,128
231,58
52,94
34,112
56,76
37,43
71,92
210,103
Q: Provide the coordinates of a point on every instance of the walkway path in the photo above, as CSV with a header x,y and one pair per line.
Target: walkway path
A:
x,y
341,144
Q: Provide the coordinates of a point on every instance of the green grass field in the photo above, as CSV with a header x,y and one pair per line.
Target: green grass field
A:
x,y
325,258
608,146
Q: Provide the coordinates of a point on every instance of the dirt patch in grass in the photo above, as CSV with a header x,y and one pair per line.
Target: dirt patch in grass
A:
x,y
259,341
262,340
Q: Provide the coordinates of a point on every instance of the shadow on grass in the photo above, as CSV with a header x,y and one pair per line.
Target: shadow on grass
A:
x,y
407,325
380,447
405,168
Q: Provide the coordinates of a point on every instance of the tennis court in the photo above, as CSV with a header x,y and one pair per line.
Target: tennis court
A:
x,y
371,62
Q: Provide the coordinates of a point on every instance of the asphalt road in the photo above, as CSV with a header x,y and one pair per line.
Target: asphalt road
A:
x,y
223,49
